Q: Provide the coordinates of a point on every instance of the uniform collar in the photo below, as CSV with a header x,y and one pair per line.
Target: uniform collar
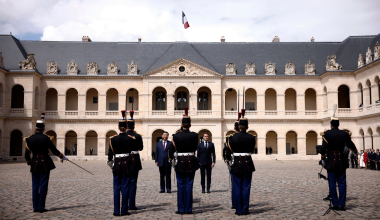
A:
x,y
122,133
186,131
334,128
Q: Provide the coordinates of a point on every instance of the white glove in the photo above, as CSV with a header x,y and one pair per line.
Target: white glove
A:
x,y
65,158
110,164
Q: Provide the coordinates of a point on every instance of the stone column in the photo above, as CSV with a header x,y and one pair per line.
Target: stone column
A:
x,y
354,101
61,108
261,107
301,104
81,105
101,143
193,105
122,102
376,141
301,146
61,144
216,107
280,104
281,146
81,145
28,103
320,105
102,105
368,141
170,104
365,97
332,98
261,146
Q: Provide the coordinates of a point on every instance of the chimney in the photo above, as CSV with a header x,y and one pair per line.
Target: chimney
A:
x,y
139,39
222,39
86,39
312,39
276,39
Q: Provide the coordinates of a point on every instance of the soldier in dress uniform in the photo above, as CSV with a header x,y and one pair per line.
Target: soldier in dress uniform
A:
x,y
120,148
184,144
40,163
135,160
225,150
336,161
241,146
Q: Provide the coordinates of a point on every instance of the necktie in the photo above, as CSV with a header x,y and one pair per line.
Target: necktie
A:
x,y
164,145
206,144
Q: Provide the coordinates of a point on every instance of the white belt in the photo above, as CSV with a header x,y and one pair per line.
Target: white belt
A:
x,y
121,155
186,154
134,152
242,154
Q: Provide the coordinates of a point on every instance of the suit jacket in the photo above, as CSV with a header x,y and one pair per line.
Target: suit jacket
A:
x,y
378,158
204,154
161,157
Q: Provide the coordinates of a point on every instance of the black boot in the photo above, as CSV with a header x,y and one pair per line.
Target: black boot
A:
x,y
203,189
208,189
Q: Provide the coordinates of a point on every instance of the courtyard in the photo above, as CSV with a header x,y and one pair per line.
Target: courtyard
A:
x,y
280,190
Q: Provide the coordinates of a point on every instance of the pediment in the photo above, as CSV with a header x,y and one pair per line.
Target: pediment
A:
x,y
182,68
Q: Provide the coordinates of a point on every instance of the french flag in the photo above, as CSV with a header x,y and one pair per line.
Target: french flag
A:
x,y
184,21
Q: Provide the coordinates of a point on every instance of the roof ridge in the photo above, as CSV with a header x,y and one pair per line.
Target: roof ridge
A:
x,y
214,69
159,58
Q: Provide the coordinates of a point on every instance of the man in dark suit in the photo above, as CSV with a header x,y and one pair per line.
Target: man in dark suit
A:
x,y
162,161
185,144
352,157
41,164
206,158
91,151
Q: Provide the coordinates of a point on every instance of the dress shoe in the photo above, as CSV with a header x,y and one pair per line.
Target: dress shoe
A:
x,y
208,191
327,198
190,213
238,214
247,213
342,209
36,210
233,207
179,213
335,208
162,191
128,213
134,208
115,214
168,191
203,191
43,210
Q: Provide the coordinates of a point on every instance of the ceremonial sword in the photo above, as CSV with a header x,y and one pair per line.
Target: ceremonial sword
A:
x,y
78,166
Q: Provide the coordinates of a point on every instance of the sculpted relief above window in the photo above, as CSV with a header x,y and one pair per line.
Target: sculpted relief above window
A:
x,y
92,68
309,68
290,69
112,69
270,68
250,69
132,68
72,68
52,68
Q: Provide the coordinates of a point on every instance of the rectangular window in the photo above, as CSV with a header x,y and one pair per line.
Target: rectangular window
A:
x,y
95,100
131,99
113,106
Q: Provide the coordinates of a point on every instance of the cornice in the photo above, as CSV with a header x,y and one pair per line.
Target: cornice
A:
x,y
24,72
367,66
272,77
91,77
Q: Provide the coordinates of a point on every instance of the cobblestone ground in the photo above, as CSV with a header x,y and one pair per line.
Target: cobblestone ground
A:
x,y
280,190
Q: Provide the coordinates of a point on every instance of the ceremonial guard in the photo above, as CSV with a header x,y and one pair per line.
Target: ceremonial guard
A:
x,y
40,163
241,146
135,161
225,150
119,148
335,160
181,153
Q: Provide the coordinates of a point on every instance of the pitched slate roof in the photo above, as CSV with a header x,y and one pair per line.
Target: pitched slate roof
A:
x,y
214,56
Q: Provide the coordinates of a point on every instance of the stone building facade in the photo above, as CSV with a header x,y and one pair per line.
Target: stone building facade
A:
x,y
288,89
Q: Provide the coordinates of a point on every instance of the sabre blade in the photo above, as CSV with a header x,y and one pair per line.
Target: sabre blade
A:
x,y
80,167
335,107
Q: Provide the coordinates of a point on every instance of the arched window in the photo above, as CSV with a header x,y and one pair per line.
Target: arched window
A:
x,y
250,100
290,100
16,143
362,134
91,143
51,100
271,142
132,100
343,97
311,142
231,100
71,143
108,136
92,100
160,100
72,100
156,137
270,100
377,81
361,94
291,143
203,101
17,97
310,100
112,100
369,91
182,100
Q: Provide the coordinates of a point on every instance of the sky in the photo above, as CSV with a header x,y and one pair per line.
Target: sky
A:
x,y
161,20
